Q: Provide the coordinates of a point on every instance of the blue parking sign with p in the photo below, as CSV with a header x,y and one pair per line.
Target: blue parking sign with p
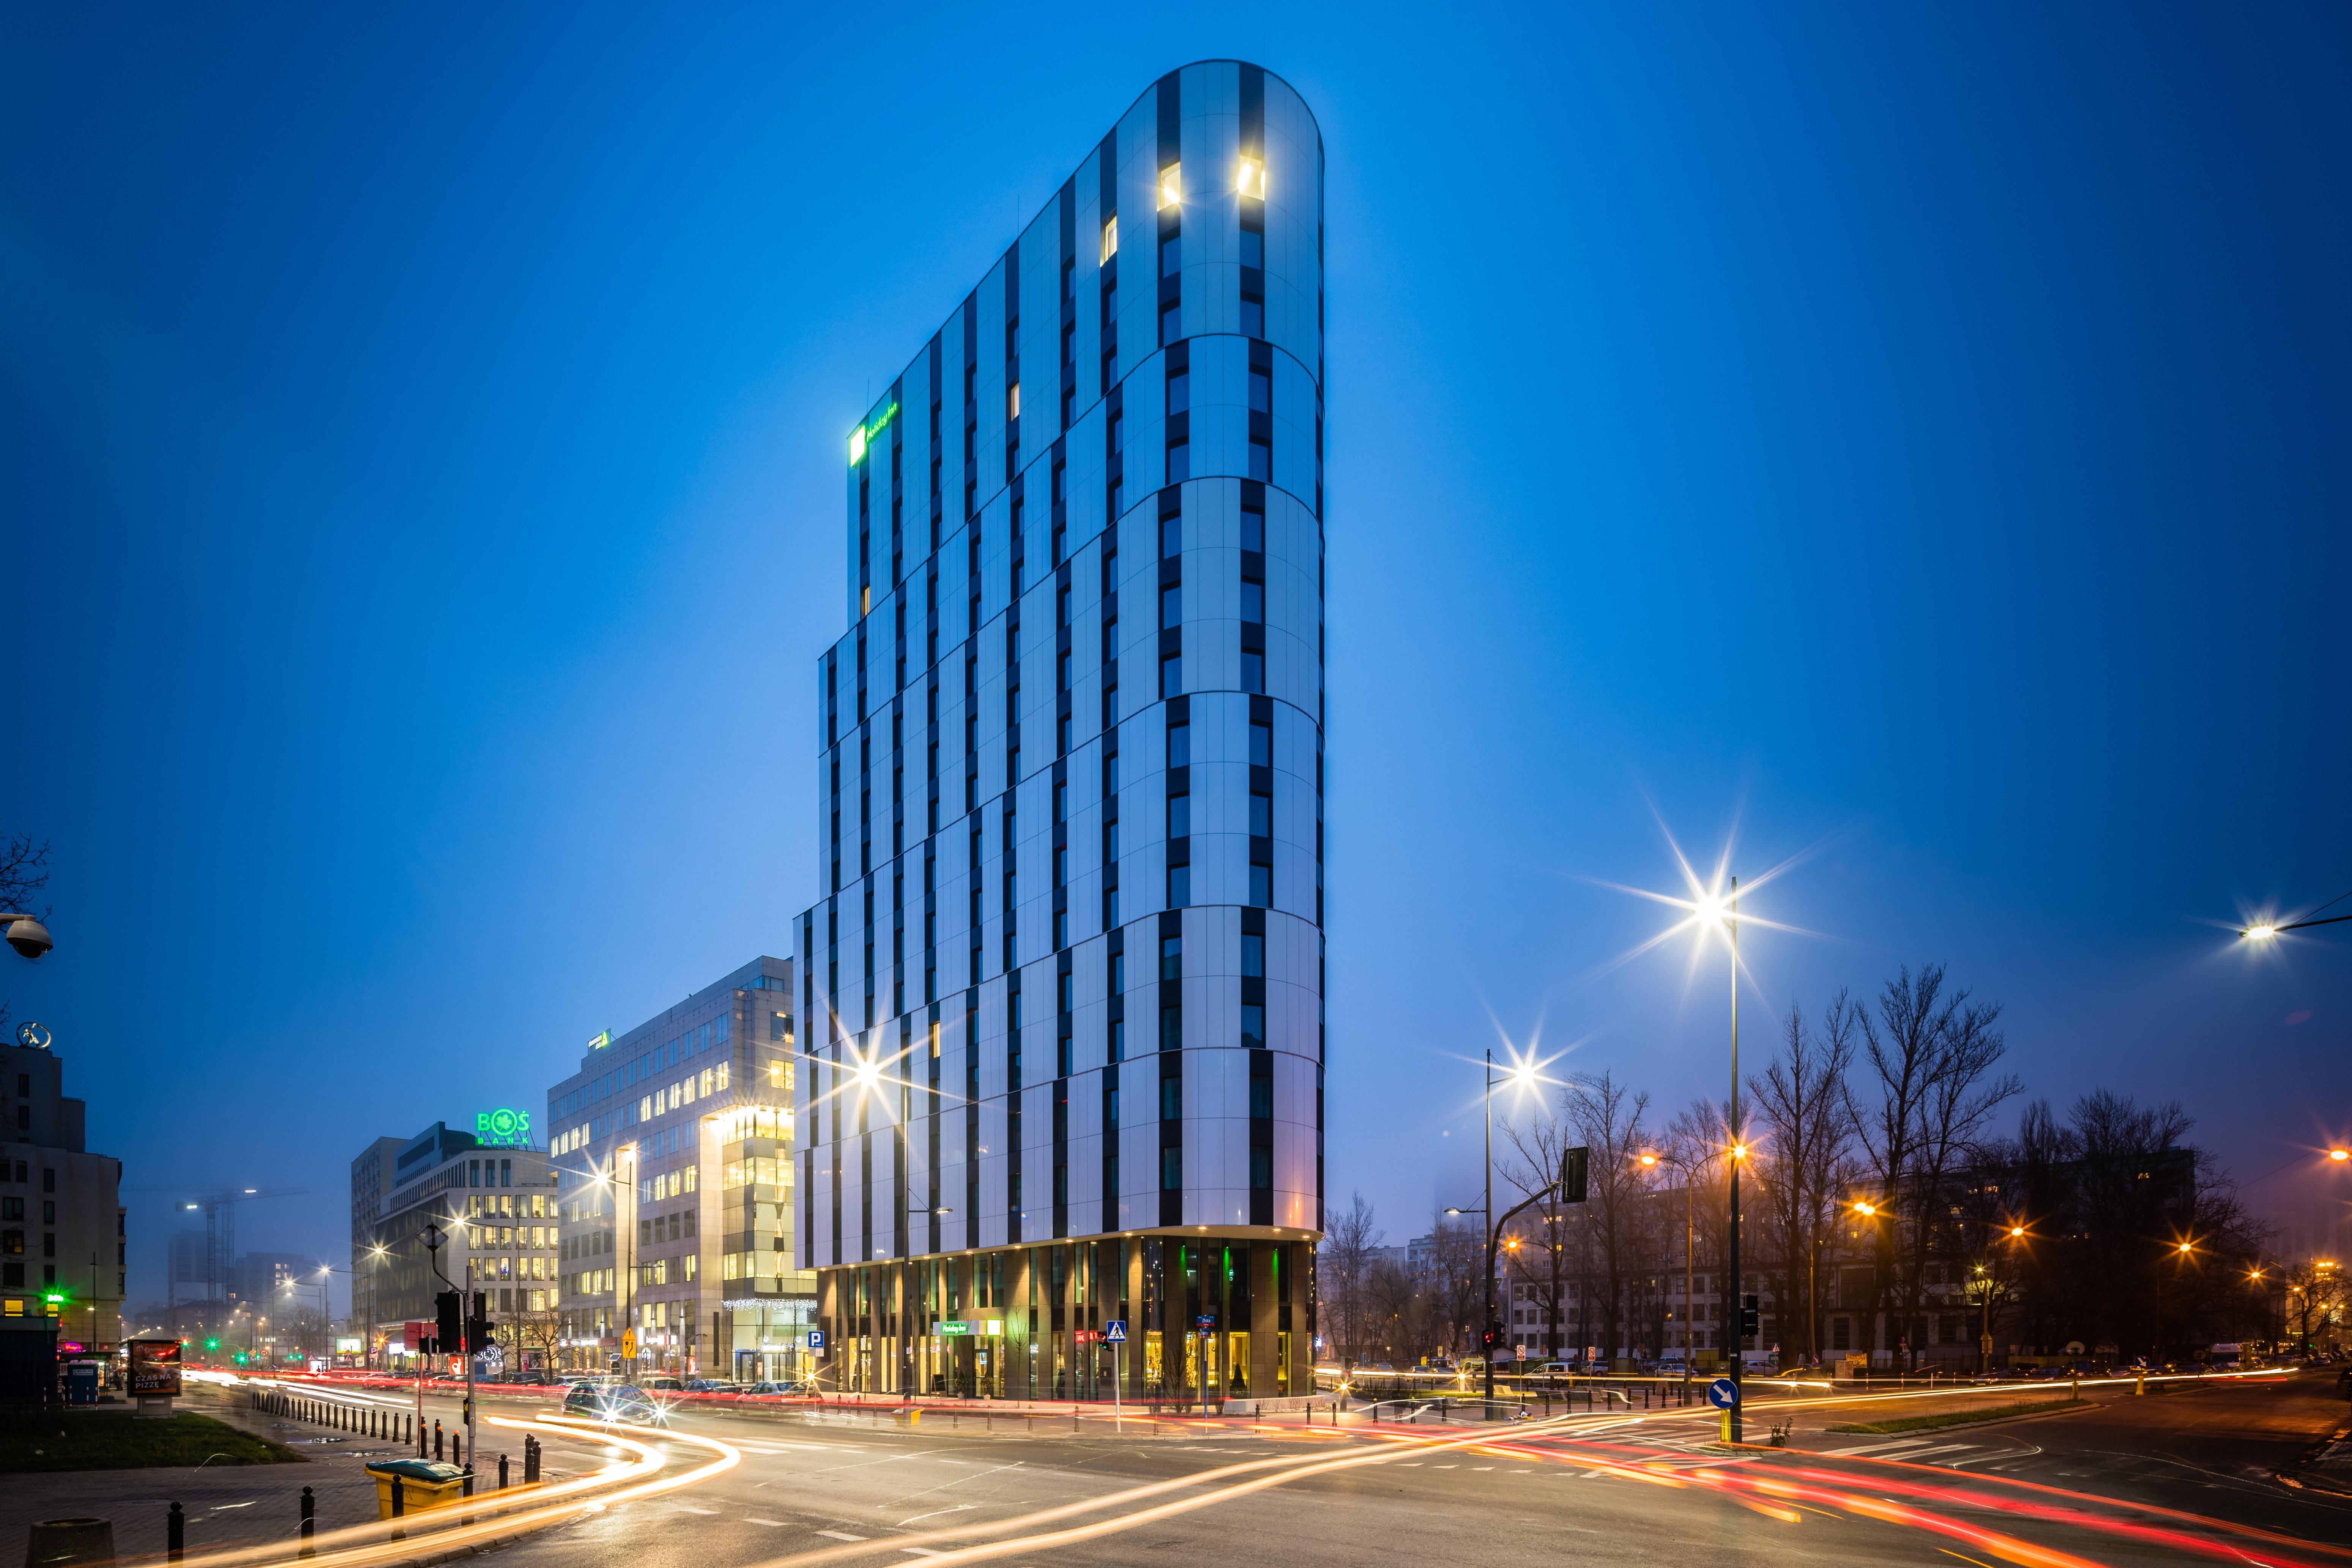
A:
x,y
816,1339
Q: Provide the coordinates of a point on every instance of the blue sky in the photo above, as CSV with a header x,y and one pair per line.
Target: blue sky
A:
x,y
1916,437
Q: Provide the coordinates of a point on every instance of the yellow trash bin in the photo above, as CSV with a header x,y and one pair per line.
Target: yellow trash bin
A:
x,y
424,1483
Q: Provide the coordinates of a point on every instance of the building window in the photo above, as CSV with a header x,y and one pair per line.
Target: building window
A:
x,y
1171,322
1252,316
1180,462
1261,459
1253,671
1171,185
1171,675
1252,1026
1180,887
1110,237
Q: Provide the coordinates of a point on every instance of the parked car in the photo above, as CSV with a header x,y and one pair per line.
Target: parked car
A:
x,y
663,1382
615,1401
802,1385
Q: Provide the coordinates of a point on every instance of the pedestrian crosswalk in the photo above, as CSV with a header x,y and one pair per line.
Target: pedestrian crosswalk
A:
x,y
1911,1449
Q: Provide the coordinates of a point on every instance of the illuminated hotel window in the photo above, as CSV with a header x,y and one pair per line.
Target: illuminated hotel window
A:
x,y
1172,185
1110,237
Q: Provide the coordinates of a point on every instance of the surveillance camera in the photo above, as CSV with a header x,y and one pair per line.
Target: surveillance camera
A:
x,y
29,937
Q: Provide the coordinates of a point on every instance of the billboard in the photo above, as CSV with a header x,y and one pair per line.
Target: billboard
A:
x,y
154,1367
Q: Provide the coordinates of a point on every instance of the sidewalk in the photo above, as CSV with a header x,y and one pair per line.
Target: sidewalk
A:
x,y
225,1505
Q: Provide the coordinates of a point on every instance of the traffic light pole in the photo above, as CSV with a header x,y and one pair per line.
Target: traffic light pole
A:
x,y
1738,1316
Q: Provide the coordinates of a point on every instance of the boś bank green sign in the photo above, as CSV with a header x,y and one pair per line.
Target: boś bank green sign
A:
x,y
503,1129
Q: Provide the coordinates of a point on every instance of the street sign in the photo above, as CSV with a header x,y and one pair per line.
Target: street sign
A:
x,y
628,1345
950,1326
816,1339
1204,1322
1723,1394
1984,1345
1114,1332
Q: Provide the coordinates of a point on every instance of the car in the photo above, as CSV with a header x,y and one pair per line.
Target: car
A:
x,y
663,1382
533,1379
799,1387
615,1402
711,1386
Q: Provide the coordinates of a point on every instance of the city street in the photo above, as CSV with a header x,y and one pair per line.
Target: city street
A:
x,y
2185,1475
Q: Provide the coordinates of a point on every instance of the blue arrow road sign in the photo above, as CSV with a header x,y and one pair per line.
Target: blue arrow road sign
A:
x,y
816,1339
1114,1332
1723,1394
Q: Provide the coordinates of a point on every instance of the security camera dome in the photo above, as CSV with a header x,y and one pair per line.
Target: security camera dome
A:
x,y
29,937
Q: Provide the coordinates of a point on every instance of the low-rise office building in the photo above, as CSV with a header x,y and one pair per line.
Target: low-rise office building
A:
x,y
672,1148
61,1222
491,1196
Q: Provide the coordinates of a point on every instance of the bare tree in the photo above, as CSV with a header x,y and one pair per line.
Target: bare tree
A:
x,y
1933,1057
1607,1118
1349,1247
1807,1162
24,871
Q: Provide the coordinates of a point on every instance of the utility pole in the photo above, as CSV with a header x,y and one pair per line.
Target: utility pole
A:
x,y
1738,1314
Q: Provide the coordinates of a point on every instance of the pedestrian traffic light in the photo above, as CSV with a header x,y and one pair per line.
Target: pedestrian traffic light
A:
x,y
446,1330
1493,1337
1573,1164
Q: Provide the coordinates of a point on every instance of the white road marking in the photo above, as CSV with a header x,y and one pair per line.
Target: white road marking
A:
x,y
690,1507
840,1535
919,1551
771,1524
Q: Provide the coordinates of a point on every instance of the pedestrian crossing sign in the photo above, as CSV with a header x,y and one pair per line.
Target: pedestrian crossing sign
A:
x,y
1114,1332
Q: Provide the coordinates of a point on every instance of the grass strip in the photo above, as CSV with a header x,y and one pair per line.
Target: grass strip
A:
x,y
39,1441
1957,1417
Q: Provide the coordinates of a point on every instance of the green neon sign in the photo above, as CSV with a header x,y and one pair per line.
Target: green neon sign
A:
x,y
864,433
503,1127
599,1040
950,1326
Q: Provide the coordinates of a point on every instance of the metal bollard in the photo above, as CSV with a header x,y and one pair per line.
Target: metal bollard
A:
x,y
458,1453
309,1522
502,1472
175,1534
399,1506
437,1437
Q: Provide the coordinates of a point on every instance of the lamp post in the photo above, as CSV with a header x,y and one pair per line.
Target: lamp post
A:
x,y
1690,1234
2266,930
1524,1076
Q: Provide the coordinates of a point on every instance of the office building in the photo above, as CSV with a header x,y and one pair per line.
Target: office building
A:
x,y
673,1156
490,1197
62,1239
374,1177
1063,984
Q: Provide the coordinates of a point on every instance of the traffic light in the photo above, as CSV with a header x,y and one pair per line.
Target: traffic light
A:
x,y
212,1344
1493,1337
1748,1315
448,1332
1573,1164
477,1326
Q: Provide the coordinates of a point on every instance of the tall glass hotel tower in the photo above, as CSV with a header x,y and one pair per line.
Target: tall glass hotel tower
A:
x,y
1064,1060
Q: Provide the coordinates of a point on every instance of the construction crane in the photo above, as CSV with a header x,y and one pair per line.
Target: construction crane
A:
x,y
219,1209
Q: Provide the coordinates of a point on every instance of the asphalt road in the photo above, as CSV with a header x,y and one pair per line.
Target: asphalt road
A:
x,y
2091,1484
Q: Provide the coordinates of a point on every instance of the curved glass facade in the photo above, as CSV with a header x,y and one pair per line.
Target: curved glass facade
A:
x,y
1065,1053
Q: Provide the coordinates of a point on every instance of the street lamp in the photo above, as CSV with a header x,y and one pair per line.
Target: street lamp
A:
x,y
1523,1077
2268,931
1690,1233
